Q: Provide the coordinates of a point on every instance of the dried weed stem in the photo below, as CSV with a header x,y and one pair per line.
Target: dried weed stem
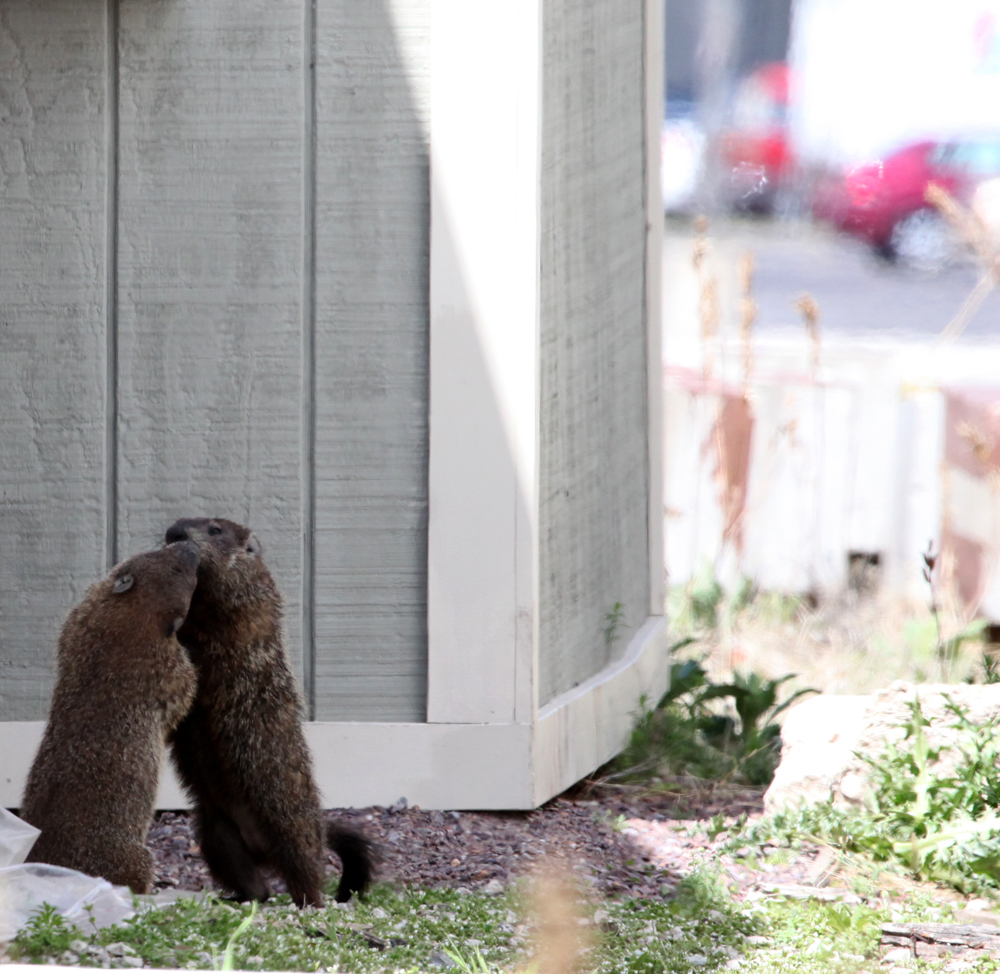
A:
x,y
560,940
748,315
972,231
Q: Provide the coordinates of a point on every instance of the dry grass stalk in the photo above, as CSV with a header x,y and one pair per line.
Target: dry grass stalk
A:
x,y
976,235
809,309
969,227
560,940
981,446
748,315
708,299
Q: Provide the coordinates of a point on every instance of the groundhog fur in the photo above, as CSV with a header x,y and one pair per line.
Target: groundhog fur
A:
x,y
240,752
123,683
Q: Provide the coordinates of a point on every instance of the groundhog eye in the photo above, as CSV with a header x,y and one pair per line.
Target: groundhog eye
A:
x,y
122,584
214,530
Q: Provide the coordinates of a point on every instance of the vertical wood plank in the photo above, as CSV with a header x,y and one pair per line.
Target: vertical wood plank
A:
x,y
594,491
210,274
53,231
371,359
483,476
654,85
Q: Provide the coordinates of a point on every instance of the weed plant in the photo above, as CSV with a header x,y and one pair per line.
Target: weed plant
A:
x,y
916,819
684,735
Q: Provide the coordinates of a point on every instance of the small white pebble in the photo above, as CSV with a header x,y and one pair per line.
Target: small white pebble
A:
x,y
733,964
696,960
493,888
757,939
379,914
852,786
899,970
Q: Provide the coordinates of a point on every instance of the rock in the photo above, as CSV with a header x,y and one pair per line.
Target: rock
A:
x,y
821,734
696,960
818,739
442,960
493,888
852,787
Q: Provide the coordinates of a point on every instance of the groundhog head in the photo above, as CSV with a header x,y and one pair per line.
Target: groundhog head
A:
x,y
154,587
231,571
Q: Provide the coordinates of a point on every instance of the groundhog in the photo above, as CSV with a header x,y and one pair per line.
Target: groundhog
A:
x,y
123,683
240,752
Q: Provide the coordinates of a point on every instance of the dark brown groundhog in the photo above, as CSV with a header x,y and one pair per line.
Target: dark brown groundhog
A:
x,y
240,752
123,683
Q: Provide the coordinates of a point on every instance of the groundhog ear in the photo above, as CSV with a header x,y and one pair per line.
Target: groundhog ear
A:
x,y
122,584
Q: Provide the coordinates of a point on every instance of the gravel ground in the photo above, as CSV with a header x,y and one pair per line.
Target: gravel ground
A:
x,y
620,840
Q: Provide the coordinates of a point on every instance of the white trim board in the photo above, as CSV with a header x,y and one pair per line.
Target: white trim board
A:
x,y
447,765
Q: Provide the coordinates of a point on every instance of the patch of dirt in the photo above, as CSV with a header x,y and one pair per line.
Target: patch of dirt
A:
x,y
621,840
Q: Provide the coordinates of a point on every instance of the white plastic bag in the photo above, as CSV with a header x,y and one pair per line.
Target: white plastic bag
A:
x,y
86,901
16,838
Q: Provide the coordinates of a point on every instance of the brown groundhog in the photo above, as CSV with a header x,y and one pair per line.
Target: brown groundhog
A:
x,y
240,752
124,682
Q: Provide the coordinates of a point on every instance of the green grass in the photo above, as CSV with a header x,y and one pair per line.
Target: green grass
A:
x,y
700,928
481,933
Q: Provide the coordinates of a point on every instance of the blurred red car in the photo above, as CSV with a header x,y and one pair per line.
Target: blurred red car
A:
x,y
883,202
755,152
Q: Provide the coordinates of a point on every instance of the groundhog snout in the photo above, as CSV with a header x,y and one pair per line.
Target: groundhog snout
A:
x,y
189,552
179,531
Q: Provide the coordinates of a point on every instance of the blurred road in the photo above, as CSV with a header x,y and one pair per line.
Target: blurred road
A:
x,y
858,294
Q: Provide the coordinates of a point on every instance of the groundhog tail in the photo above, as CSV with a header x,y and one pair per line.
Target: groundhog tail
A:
x,y
357,859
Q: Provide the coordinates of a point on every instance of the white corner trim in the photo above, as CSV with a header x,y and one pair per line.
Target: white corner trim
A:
x,y
447,766
583,728
482,536
653,69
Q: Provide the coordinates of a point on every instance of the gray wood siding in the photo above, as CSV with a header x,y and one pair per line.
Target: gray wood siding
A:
x,y
52,331
265,355
593,476
210,274
372,206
